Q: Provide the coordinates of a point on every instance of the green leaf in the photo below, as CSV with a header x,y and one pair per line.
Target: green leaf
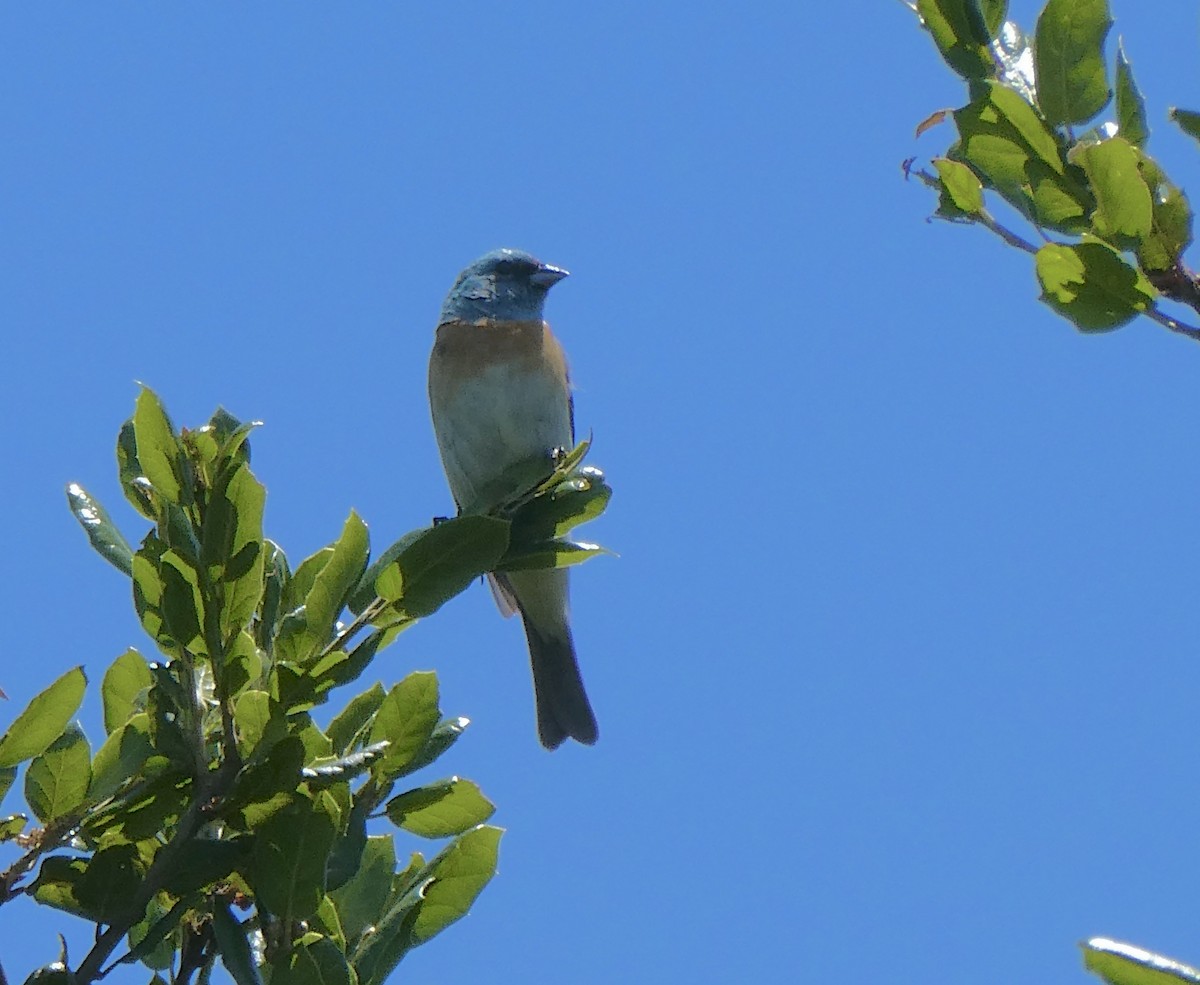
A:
x,y
994,13
344,731
313,626
360,901
56,782
316,960
290,850
1189,122
125,755
44,720
581,497
441,562
1068,51
459,874
111,879
444,735
57,882
1091,285
101,531
1010,147
1124,211
8,775
959,31
232,545
124,689
1131,107
406,719
962,192
207,861
1171,231
1126,964
158,449
276,575
182,605
149,938
552,554
233,943
440,810
12,826
134,484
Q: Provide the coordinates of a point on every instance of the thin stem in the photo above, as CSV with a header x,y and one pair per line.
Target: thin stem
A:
x,y
1175,326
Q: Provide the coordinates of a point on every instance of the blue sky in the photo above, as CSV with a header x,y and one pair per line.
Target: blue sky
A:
x,y
896,670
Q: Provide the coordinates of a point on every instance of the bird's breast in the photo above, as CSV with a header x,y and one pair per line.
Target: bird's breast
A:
x,y
499,396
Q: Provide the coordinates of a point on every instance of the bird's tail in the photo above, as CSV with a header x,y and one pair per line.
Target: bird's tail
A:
x,y
563,710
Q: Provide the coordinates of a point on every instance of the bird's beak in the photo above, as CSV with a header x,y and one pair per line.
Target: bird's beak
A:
x,y
547,275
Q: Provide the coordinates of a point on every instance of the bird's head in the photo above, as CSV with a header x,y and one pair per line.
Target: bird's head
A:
x,y
504,285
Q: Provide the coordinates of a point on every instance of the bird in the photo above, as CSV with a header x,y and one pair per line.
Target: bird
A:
x,y
500,399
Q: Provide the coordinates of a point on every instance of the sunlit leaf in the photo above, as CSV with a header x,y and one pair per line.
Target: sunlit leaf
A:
x,y
44,720
102,532
1072,79
1127,964
1091,285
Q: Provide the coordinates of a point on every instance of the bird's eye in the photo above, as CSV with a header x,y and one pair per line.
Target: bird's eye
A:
x,y
505,267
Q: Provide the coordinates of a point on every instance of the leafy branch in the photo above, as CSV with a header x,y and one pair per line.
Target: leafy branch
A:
x,y
215,792
1113,227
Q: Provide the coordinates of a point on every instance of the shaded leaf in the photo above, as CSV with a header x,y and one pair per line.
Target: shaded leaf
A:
x,y
959,31
1091,285
441,562
360,900
1189,121
1131,107
344,731
1171,225
234,946
552,554
315,960
1072,79
123,756
290,851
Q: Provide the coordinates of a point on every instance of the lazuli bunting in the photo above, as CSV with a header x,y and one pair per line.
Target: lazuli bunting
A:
x,y
501,399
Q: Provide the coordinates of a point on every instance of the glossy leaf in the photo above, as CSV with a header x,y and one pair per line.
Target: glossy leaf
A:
x,y
444,735
442,562
56,782
44,720
458,874
959,31
1072,79
440,810
582,496
1014,58
108,541
406,719
1131,107
1123,214
133,482
124,688
1091,285
1127,964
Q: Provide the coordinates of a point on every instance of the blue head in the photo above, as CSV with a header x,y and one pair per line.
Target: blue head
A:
x,y
505,285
